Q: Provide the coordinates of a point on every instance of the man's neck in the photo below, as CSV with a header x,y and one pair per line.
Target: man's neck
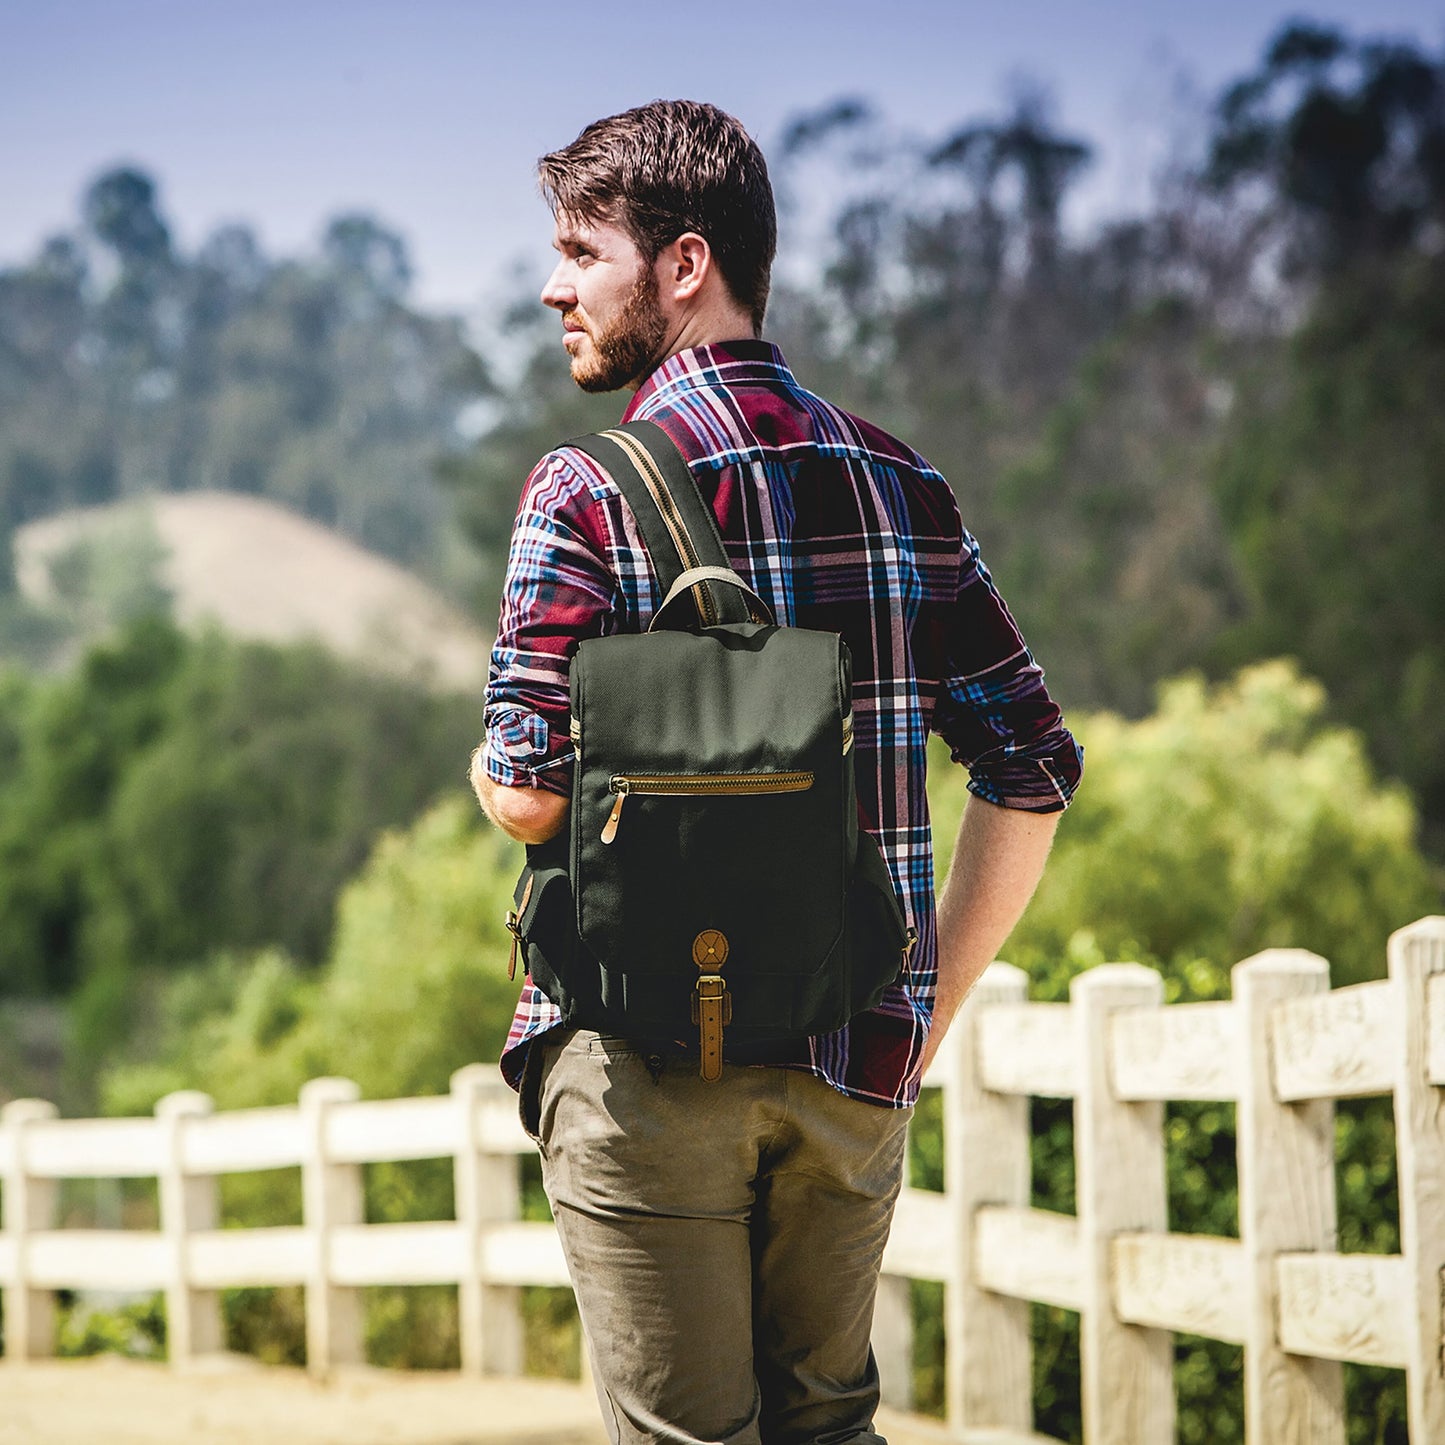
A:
x,y
709,325
689,337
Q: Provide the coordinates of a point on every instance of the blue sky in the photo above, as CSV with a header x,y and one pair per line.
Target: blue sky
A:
x,y
431,112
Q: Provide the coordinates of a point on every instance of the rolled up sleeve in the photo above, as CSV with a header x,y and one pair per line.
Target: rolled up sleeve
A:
x,y
557,591
993,709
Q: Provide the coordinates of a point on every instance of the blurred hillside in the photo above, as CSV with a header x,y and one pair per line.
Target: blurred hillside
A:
x,y
257,570
130,368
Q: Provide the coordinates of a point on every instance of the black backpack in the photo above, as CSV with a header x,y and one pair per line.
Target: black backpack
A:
x,y
713,890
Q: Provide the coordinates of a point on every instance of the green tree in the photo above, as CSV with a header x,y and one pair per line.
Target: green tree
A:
x,y
174,797
1120,567
1347,137
1330,485
72,741
1232,819
414,984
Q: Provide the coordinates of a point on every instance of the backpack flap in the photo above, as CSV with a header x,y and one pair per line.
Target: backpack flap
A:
x,y
712,792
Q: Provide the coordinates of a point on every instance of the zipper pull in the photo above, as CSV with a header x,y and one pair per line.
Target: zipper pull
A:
x,y
621,787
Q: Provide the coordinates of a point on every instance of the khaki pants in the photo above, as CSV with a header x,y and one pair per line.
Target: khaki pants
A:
x,y
724,1241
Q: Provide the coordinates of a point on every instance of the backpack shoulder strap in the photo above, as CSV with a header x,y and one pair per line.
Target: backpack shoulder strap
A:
x,y
677,525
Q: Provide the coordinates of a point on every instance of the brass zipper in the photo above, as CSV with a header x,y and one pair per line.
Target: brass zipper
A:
x,y
697,785
662,495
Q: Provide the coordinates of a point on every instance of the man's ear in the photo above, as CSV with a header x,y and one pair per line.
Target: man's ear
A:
x,y
684,266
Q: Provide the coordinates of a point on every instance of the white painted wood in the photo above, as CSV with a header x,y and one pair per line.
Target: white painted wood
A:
x,y
1336,1045
1188,1283
488,1188
233,1258
1127,1370
27,1206
922,1243
1029,1254
332,1199
383,1130
986,1437
988,1355
1286,1203
521,1254
942,1072
498,1130
1027,1048
94,1149
8,1254
427,1252
1183,1052
243,1140
1434,1024
189,1202
100,1259
1417,966
892,1336
1345,1307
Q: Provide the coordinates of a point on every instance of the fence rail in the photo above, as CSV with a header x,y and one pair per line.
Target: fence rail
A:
x,y
1282,1050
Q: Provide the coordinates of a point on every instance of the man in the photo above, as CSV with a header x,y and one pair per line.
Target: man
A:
x,y
725,1239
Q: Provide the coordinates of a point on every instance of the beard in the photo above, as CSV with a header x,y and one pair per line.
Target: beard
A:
x,y
629,346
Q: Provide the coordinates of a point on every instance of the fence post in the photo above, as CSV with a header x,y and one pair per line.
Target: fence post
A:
x,y
1417,955
892,1336
29,1208
1127,1370
189,1203
988,1359
488,1191
1286,1203
331,1198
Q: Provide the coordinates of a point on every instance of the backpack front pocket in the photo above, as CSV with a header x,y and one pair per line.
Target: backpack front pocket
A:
x,y
697,785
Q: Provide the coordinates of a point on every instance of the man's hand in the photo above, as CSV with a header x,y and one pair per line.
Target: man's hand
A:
x,y
530,815
997,863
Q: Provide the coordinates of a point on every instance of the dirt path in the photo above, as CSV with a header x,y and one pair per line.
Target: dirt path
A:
x,y
121,1402
234,1401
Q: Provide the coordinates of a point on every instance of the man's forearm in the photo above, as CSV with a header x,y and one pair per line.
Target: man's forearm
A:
x,y
530,815
997,862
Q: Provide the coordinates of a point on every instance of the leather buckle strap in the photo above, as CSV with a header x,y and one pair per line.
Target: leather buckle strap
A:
x,y
712,1011
712,1005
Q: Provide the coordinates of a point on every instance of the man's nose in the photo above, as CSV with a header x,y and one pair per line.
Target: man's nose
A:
x,y
559,293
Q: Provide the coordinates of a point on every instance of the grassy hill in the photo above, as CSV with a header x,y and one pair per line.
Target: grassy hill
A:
x,y
261,571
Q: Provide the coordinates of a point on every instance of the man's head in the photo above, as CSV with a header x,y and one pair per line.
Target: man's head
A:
x,y
665,223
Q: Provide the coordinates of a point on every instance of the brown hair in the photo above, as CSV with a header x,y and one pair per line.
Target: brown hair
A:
x,y
668,167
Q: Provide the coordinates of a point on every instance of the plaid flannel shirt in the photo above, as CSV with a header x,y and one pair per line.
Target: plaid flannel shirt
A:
x,y
837,526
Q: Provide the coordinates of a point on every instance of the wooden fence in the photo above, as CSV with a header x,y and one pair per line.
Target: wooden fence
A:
x,y
1282,1050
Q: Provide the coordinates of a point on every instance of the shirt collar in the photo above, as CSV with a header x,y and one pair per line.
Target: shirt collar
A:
x,y
722,362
